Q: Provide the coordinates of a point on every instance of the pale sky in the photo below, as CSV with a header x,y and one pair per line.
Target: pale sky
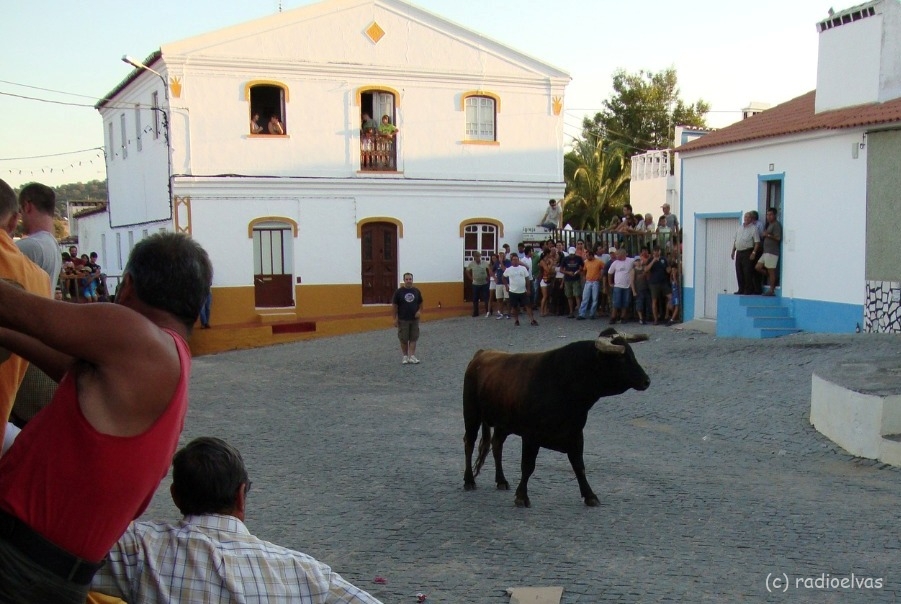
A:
x,y
727,53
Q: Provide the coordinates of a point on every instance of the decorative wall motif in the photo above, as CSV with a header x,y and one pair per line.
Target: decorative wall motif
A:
x,y
883,308
375,32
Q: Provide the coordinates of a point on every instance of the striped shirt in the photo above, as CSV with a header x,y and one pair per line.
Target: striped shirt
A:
x,y
214,558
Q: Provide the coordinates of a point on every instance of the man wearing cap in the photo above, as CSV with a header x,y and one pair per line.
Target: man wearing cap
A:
x,y
671,221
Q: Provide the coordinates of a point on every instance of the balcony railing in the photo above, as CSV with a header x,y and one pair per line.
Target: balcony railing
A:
x,y
378,153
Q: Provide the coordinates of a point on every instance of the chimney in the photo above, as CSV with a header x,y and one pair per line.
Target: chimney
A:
x,y
859,59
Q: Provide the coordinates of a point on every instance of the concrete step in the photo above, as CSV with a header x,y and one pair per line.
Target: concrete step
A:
x,y
760,300
784,322
768,311
777,332
890,450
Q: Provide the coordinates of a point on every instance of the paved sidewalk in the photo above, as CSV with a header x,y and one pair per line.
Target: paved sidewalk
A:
x,y
710,481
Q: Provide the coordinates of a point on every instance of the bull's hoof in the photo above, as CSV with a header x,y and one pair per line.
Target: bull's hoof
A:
x,y
503,486
592,501
522,503
469,486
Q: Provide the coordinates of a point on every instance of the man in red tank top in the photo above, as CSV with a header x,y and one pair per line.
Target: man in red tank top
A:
x,y
89,462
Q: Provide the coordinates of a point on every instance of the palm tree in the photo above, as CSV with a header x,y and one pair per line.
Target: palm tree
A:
x,y
597,175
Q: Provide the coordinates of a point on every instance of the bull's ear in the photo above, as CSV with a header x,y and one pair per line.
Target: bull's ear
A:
x,y
605,344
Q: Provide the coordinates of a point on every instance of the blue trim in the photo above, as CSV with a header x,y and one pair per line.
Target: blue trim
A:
x,y
688,303
773,176
826,317
744,316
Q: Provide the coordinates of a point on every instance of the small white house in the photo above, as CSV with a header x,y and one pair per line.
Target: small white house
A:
x,y
828,161
323,218
656,176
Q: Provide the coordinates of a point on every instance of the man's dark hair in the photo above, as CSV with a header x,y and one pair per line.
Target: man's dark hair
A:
x,y
8,203
754,214
41,196
171,272
206,475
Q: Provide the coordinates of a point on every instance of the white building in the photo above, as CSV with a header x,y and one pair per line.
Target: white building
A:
x,y
828,162
656,176
323,220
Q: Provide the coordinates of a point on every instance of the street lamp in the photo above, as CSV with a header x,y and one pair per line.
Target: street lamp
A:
x,y
138,65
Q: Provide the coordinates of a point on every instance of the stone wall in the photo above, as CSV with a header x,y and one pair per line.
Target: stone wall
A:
x,y
882,313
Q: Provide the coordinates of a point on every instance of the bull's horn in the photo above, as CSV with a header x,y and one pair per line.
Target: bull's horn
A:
x,y
635,337
605,344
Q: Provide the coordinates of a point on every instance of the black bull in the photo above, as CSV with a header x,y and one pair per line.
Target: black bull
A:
x,y
543,397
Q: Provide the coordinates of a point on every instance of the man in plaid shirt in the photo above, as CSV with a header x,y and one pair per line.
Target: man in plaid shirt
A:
x,y
210,556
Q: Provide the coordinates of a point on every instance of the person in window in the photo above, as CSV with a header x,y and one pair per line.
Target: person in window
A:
x,y
370,126
255,127
386,128
275,126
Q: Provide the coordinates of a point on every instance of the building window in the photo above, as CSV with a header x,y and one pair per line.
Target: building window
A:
x,y
479,240
378,130
138,133
481,118
111,147
155,103
267,109
124,135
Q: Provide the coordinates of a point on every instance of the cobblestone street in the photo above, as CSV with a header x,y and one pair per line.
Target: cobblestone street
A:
x,y
710,481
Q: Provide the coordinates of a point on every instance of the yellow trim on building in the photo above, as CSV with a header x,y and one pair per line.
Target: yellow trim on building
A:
x,y
490,95
180,202
394,221
378,88
262,219
494,221
478,142
275,83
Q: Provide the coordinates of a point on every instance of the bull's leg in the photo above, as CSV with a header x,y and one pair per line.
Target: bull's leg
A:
x,y
576,461
471,422
469,445
497,448
529,455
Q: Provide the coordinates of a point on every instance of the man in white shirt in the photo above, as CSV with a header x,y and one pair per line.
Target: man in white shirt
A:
x,y
518,279
622,279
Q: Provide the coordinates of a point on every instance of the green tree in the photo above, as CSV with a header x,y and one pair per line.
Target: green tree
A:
x,y
643,111
597,175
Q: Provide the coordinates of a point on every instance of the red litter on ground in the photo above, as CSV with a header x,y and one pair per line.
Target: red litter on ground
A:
x,y
421,598
380,580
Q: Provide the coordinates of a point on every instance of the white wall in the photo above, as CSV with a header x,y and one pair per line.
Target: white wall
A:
x,y
327,249
824,209
848,64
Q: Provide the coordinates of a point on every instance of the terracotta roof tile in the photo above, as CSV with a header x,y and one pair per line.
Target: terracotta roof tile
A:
x,y
797,116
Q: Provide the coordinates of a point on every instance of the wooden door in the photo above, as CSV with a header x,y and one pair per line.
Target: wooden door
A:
x,y
273,280
378,251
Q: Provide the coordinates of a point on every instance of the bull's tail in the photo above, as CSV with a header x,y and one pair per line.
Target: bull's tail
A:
x,y
484,447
